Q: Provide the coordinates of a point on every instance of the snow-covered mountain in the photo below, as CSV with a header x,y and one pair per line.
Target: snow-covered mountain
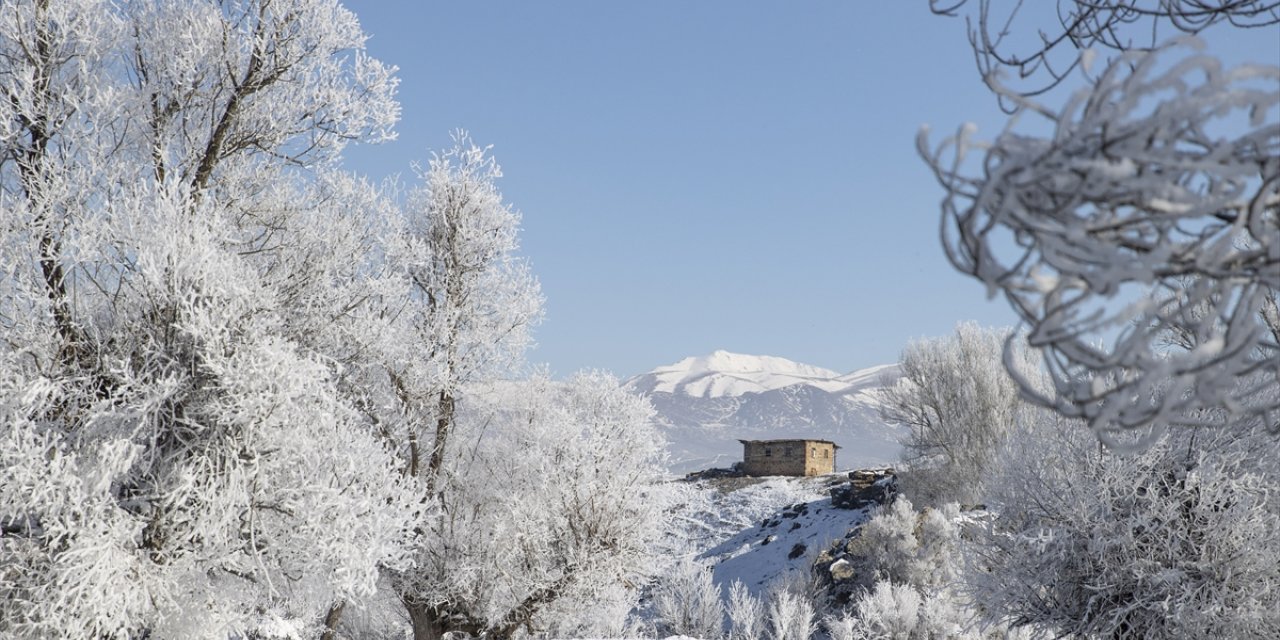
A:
x,y
706,404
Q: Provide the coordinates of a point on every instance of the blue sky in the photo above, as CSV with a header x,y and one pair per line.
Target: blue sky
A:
x,y
709,175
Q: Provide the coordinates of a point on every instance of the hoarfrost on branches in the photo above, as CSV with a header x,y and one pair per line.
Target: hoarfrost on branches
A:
x,y
1042,56
686,601
959,404
545,511
1152,211
177,461
746,613
1180,541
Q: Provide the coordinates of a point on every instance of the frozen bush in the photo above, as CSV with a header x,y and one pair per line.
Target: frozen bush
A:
x,y
687,602
789,613
746,614
899,612
905,547
1181,541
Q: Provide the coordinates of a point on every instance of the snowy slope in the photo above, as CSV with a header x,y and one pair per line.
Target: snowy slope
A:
x,y
706,404
787,543
757,530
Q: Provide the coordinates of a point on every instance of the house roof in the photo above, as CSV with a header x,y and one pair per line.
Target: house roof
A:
x,y
790,441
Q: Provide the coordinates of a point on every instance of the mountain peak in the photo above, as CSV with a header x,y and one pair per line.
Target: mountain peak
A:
x,y
705,403
723,374
729,363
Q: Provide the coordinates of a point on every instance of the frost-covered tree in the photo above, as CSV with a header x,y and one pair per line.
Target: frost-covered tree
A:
x,y
437,302
232,376
545,512
463,309
958,404
472,302
176,461
1179,541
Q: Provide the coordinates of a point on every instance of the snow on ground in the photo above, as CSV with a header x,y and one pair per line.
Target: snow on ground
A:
x,y
870,378
785,543
757,530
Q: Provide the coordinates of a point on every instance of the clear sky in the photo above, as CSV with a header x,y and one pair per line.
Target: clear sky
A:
x,y
709,175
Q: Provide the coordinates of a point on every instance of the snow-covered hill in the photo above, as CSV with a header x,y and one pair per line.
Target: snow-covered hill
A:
x,y
706,404
758,530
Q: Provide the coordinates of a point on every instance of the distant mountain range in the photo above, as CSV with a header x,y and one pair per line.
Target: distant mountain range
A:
x,y
706,404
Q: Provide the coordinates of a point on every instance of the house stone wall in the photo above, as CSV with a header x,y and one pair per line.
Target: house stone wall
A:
x,y
820,457
787,457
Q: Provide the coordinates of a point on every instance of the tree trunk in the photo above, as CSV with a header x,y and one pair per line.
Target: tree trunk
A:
x,y
444,422
332,619
424,622
431,623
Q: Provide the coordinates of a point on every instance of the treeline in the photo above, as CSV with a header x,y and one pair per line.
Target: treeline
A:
x,y
244,393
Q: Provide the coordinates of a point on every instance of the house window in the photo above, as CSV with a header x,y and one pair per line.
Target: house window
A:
x,y
826,453
813,451
768,453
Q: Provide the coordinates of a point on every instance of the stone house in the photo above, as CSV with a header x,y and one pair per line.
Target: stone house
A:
x,y
788,457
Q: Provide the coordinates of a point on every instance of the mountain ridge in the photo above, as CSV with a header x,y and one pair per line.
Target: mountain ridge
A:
x,y
705,404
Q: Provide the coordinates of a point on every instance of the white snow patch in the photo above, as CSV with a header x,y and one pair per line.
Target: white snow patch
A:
x,y
722,374
728,529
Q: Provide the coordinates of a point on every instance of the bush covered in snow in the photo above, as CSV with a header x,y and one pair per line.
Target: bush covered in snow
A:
x,y
1180,541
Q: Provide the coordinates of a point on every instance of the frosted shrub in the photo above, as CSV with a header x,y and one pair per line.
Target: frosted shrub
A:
x,y
944,615
888,611
1181,541
899,545
899,612
746,613
887,545
789,614
910,566
937,557
841,627
686,601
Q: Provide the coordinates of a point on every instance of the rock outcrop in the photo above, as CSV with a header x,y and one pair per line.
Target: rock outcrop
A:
x,y
865,488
